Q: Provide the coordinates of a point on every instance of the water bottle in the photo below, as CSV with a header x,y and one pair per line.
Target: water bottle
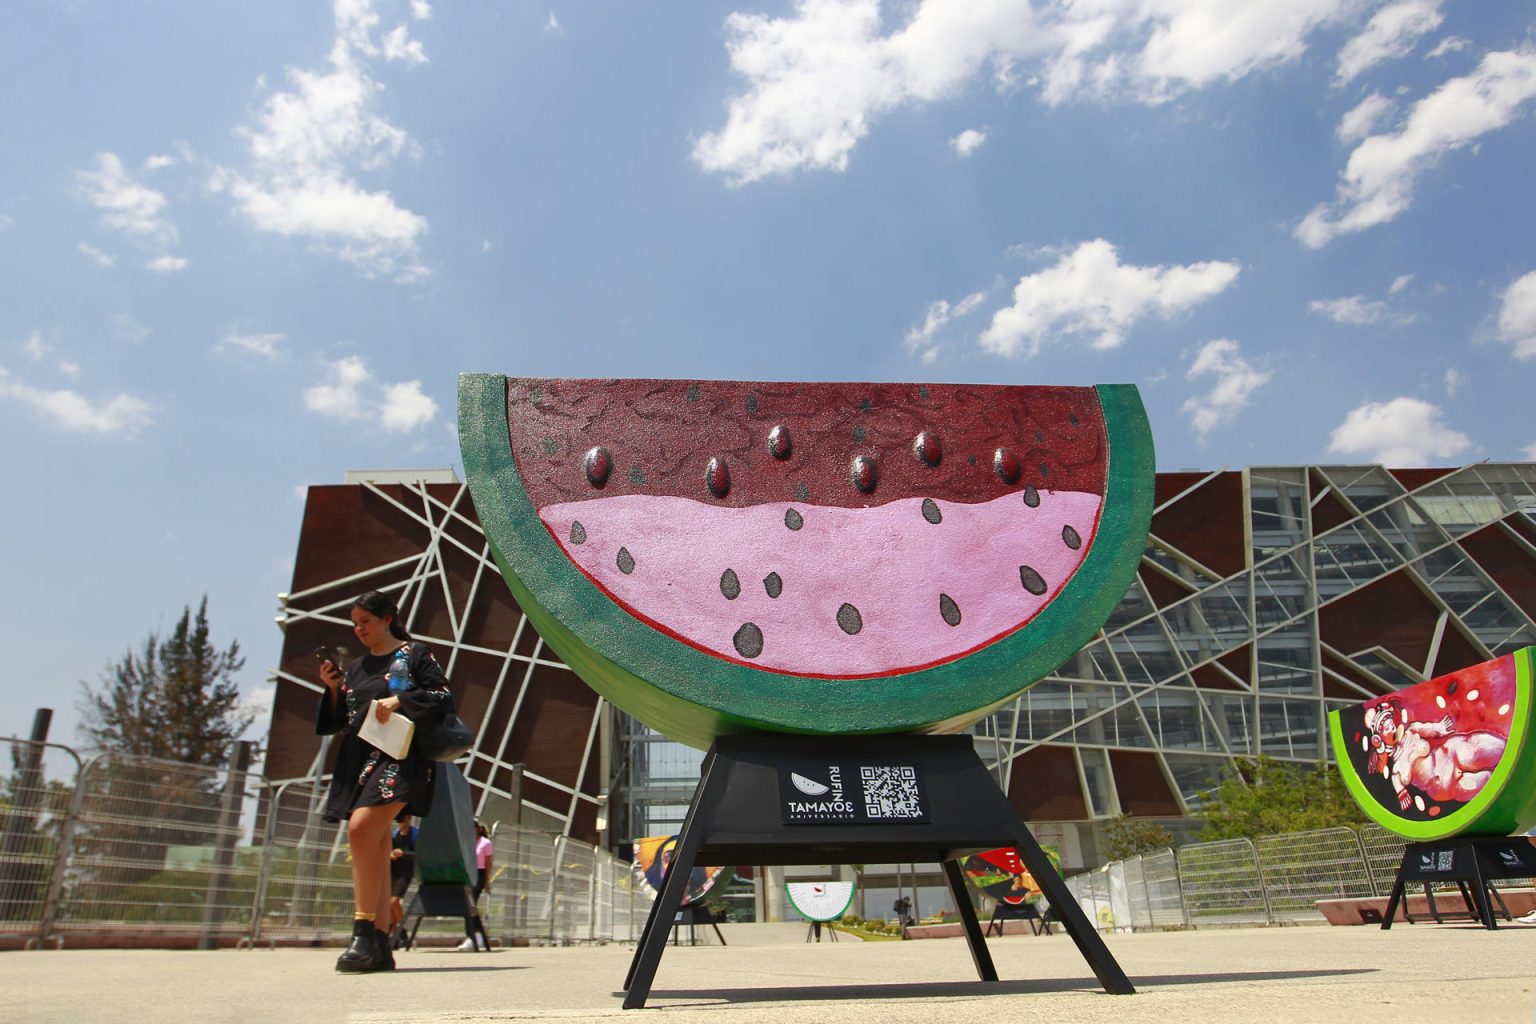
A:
x,y
399,673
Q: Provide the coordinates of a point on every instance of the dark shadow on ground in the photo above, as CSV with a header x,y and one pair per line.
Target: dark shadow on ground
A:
x,y
413,969
951,989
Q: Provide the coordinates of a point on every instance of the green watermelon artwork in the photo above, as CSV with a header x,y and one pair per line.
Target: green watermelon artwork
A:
x,y
721,557
1447,757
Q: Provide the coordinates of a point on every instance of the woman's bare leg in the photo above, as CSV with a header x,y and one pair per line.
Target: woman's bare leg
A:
x,y
368,837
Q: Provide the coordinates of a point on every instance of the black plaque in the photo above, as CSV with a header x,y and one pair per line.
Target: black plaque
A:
x,y
878,791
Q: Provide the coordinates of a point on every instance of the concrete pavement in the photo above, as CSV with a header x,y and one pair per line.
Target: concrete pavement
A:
x,y
768,975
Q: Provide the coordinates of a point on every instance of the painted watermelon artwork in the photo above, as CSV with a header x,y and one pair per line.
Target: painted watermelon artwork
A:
x,y
1447,757
820,901
1001,875
719,556
654,853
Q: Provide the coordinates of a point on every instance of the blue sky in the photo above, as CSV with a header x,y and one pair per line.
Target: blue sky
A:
x,y
248,246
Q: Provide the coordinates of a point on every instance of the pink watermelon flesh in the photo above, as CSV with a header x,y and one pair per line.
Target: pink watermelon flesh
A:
x,y
825,597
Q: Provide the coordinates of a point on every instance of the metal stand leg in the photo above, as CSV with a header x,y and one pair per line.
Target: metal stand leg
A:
x,y
1089,943
980,956
1392,903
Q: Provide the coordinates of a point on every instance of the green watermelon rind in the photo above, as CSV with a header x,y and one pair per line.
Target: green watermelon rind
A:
x,y
692,696
1506,803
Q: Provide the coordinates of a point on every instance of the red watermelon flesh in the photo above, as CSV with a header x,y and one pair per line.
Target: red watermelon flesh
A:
x,y
825,530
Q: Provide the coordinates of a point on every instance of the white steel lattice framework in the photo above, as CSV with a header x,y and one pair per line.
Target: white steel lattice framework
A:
x,y
1340,583
442,587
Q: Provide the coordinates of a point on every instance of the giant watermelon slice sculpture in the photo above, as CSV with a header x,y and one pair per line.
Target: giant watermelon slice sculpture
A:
x,y
1451,756
717,556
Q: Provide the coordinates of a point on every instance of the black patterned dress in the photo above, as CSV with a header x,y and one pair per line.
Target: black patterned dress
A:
x,y
365,776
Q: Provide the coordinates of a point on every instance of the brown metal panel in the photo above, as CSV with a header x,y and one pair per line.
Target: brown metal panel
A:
x,y
1143,788
1505,561
1207,523
1043,785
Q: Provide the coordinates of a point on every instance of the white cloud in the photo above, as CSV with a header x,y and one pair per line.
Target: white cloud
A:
x,y
123,415
101,259
1517,317
1392,32
1364,118
354,394
1450,44
817,79
421,10
307,145
1378,181
159,161
968,141
125,204
1403,432
264,345
1090,294
36,347
923,341
552,24
1399,282
166,264
5,222
1454,379
69,368
1236,381
1355,310
126,328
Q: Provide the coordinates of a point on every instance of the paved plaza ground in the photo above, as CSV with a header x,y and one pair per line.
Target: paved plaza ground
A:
x,y
769,974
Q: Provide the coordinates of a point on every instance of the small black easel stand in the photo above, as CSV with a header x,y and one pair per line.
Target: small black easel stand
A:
x,y
1473,863
1018,912
775,800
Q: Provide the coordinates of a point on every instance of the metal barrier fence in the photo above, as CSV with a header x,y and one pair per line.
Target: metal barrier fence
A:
x,y
118,850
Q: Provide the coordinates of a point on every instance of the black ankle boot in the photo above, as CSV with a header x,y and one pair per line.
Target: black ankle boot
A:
x,y
363,954
386,955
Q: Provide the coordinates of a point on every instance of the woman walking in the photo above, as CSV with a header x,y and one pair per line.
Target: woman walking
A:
x,y
368,787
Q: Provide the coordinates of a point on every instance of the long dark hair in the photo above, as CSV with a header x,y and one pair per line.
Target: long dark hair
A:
x,y
379,604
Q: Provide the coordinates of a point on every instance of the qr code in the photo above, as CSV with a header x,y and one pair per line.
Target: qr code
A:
x,y
890,791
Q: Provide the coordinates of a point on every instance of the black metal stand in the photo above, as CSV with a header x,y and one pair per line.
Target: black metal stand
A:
x,y
772,800
1473,863
1038,922
440,899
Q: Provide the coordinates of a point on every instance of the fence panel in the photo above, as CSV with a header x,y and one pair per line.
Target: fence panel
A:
x,y
307,891
1383,854
154,845
1222,884
1165,898
37,788
1301,868
629,905
525,883
1138,904
572,917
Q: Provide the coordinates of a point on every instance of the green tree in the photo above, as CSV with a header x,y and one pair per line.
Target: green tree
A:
x,y
176,698
1127,836
1266,797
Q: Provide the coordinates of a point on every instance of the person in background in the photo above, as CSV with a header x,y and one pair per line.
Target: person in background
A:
x,y
402,868
475,927
368,787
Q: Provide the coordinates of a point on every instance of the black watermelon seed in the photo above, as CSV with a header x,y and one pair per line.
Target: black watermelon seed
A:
x,y
730,586
751,403
549,445
928,448
1070,538
636,475
859,433
1072,419
1039,436
717,477
748,641
931,512
1031,496
578,532
849,619
535,394
626,561
793,519
922,393
949,609
864,405
1006,465
970,460
1031,580
773,584
598,465
1452,688
778,442
693,392
1044,470
864,473
802,492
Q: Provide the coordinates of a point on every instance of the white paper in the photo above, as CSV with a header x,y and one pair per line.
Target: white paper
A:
x,y
393,736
